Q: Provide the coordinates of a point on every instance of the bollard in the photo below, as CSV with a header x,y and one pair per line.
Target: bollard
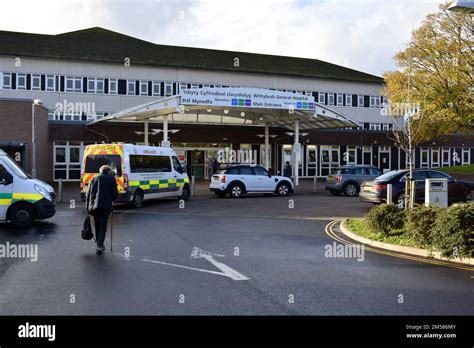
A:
x,y
314,183
60,191
389,194
193,185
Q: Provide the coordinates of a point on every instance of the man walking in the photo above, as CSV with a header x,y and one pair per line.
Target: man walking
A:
x,y
101,193
287,170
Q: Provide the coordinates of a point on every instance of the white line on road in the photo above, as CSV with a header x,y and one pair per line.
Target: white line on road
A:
x,y
196,253
230,272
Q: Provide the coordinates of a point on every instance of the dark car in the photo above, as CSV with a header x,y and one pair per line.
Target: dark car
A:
x,y
376,191
348,179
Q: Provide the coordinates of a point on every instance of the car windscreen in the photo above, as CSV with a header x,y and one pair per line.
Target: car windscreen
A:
x,y
19,172
388,176
94,162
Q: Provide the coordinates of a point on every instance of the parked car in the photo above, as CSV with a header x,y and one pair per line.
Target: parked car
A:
x,y
240,179
348,179
375,191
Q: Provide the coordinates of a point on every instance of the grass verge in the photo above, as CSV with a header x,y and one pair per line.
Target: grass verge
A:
x,y
359,226
467,169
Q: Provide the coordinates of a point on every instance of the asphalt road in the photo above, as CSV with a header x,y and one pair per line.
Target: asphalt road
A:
x,y
280,269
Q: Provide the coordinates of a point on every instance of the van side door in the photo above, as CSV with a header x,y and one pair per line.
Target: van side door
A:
x,y
6,190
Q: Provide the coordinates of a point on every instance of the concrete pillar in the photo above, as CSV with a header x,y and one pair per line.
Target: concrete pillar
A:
x,y
267,146
146,132
165,128
296,151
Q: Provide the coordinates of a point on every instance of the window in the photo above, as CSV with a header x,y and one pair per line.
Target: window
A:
x,y
50,83
308,93
130,87
156,88
385,126
182,85
7,81
113,86
374,172
322,97
35,82
348,99
261,171
244,170
94,162
4,174
438,175
73,84
340,99
373,101
143,87
196,85
466,156
168,89
360,101
424,157
331,99
95,85
150,164
232,171
177,165
360,171
375,126
21,81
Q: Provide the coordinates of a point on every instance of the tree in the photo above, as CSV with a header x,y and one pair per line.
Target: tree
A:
x,y
436,75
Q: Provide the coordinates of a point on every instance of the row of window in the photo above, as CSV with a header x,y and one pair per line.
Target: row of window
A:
x,y
110,86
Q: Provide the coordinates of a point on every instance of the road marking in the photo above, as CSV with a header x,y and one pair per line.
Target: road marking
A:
x,y
230,272
331,234
197,253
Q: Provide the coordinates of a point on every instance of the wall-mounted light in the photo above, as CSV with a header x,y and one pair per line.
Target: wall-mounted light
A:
x,y
226,111
242,114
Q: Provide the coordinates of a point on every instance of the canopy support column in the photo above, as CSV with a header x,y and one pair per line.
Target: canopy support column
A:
x,y
165,128
145,123
296,151
267,146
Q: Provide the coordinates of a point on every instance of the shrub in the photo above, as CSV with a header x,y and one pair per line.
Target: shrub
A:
x,y
453,231
419,223
385,218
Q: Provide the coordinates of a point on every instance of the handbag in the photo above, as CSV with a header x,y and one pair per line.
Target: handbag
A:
x,y
86,232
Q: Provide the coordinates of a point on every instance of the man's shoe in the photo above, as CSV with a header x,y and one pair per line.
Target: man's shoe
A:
x,y
100,249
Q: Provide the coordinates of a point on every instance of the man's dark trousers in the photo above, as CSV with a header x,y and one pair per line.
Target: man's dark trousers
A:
x,y
101,217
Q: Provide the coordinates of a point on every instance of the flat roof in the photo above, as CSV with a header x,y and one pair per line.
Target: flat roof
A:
x,y
226,110
101,45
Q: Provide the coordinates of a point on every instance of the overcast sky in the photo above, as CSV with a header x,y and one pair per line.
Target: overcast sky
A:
x,y
361,34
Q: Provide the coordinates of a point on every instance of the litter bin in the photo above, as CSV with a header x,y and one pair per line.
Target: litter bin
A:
x,y
436,192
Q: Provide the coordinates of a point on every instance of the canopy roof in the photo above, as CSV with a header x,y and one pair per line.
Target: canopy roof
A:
x,y
236,106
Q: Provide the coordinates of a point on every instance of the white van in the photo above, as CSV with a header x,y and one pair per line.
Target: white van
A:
x,y
23,200
141,172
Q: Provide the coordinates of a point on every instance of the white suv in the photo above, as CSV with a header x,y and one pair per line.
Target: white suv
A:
x,y
240,179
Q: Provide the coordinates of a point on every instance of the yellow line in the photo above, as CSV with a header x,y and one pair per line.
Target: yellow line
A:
x,y
331,234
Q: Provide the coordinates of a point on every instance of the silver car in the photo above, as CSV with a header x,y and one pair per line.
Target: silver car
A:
x,y
348,179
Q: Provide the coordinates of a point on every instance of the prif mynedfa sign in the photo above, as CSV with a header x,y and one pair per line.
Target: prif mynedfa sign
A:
x,y
246,98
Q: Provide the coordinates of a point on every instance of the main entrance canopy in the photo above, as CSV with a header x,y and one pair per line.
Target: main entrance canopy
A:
x,y
236,106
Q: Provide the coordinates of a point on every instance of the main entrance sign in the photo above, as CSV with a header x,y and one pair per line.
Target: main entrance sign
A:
x,y
246,98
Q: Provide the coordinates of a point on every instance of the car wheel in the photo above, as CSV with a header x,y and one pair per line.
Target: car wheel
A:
x,y
138,199
335,192
220,194
283,189
351,190
185,194
236,191
22,215
401,201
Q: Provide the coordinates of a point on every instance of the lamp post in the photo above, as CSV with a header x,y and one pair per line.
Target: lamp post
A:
x,y
33,137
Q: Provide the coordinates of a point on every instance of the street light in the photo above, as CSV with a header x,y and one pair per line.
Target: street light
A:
x,y
462,7
38,102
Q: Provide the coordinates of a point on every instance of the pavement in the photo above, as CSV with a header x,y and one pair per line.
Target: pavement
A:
x,y
256,255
